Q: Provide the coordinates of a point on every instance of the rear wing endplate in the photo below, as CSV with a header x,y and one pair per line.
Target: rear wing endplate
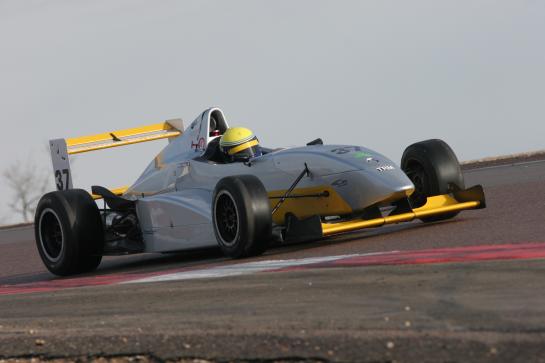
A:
x,y
62,148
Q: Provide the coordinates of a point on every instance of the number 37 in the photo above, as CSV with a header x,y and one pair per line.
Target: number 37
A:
x,y
62,179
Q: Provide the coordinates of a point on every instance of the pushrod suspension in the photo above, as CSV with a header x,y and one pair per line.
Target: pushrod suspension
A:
x,y
292,187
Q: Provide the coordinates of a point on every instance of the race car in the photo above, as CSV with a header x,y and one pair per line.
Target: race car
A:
x,y
213,185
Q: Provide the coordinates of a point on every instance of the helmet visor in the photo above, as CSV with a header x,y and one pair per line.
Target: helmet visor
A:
x,y
250,152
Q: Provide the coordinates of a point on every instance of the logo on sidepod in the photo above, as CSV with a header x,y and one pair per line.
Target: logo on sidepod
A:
x,y
385,168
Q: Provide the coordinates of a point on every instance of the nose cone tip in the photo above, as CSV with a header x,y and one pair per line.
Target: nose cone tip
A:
x,y
409,189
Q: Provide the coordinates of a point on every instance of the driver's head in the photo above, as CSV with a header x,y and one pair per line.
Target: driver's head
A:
x,y
239,143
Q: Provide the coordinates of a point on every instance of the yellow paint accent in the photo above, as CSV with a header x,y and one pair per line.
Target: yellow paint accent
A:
x,y
306,207
405,217
135,135
235,135
116,191
244,146
449,206
434,206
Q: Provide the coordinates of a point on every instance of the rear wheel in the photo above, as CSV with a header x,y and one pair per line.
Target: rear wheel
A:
x,y
69,233
434,169
241,216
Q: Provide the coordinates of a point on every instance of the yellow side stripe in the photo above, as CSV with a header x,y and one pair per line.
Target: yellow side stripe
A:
x,y
244,146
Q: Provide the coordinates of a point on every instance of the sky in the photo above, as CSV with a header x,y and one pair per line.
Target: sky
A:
x,y
377,73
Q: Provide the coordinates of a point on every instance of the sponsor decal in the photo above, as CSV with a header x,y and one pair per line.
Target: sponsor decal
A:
x,y
357,153
385,168
362,155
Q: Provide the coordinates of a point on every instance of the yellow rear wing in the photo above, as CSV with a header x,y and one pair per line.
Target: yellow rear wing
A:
x,y
125,137
62,148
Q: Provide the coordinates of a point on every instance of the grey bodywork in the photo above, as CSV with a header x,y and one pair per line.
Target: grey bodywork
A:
x,y
174,194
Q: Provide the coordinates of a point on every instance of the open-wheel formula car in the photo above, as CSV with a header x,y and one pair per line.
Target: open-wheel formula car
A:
x,y
190,196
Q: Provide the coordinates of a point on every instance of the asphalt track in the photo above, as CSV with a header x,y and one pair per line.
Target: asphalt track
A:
x,y
469,289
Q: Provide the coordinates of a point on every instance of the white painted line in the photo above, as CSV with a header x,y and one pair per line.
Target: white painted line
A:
x,y
245,268
519,164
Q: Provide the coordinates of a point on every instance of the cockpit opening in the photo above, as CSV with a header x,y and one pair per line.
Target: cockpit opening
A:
x,y
217,126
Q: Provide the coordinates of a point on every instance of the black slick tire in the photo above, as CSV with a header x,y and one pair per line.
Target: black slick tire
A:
x,y
69,232
434,169
241,216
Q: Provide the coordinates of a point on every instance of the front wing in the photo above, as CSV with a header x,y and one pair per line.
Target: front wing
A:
x,y
472,198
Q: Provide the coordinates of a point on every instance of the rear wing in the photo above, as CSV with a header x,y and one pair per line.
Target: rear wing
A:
x,y
62,148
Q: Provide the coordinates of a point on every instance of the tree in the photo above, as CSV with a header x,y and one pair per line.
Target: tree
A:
x,y
28,184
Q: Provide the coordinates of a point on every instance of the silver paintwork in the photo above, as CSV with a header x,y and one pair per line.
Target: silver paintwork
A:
x,y
174,194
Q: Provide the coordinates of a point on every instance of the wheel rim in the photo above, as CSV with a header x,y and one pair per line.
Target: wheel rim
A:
x,y
51,235
419,178
226,218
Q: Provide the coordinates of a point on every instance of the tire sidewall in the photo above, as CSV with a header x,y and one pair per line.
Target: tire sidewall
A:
x,y
236,247
431,175
439,162
68,251
82,231
254,220
441,169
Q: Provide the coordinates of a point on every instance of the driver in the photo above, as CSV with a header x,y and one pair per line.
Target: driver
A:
x,y
239,144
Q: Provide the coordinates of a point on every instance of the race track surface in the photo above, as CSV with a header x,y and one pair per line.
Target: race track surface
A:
x,y
469,289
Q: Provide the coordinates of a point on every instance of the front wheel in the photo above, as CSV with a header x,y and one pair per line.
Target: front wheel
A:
x,y
241,216
69,233
434,169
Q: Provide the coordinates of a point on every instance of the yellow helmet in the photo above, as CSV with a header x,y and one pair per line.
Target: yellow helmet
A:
x,y
239,143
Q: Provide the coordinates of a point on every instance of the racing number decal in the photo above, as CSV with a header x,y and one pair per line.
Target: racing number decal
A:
x,y
62,178
61,164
